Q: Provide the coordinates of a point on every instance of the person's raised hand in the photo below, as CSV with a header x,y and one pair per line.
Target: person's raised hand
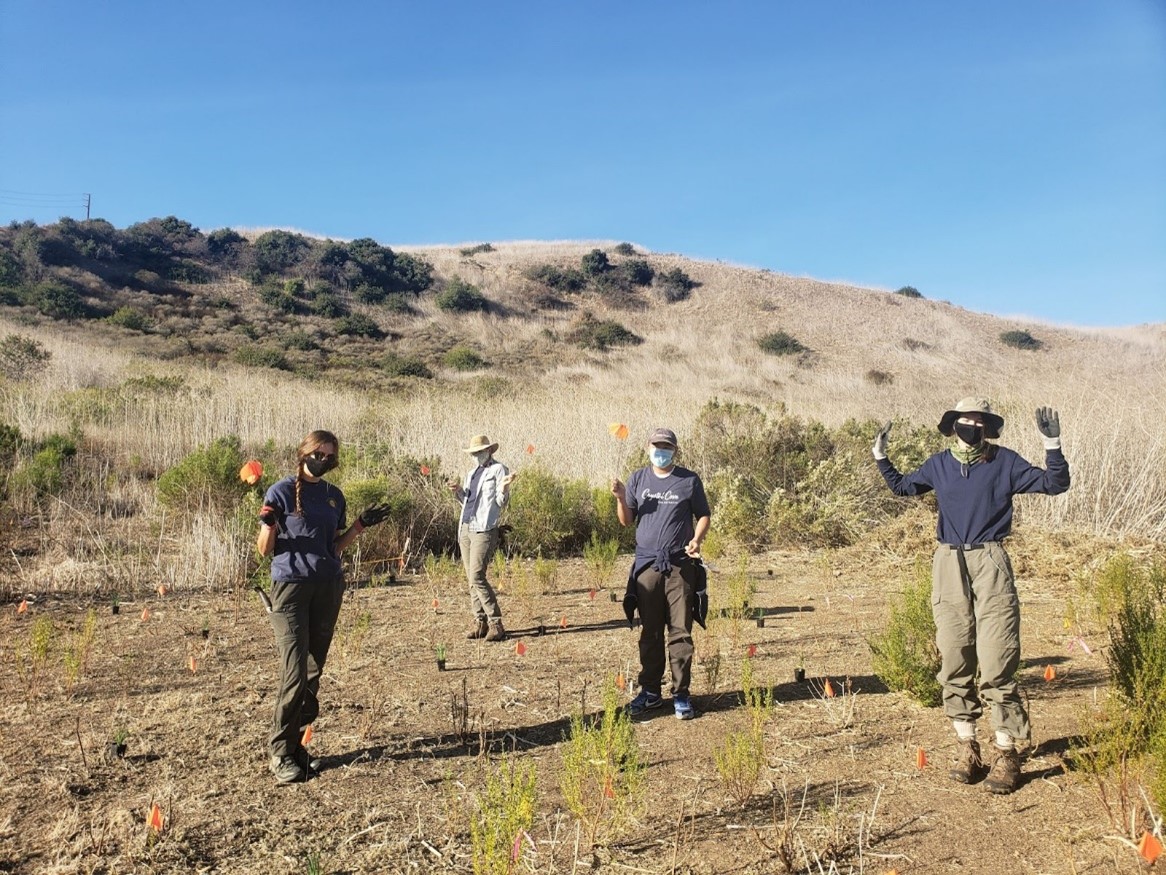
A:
x,y
373,514
879,449
453,484
618,490
1048,423
508,479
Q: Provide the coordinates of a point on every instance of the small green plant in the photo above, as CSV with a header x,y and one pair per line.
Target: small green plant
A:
x,y
35,655
909,292
459,296
120,735
80,647
546,572
476,250
711,665
462,358
440,653
1020,340
740,589
904,654
314,863
758,699
780,343
602,776
504,815
739,761
499,570
130,318
601,335
600,555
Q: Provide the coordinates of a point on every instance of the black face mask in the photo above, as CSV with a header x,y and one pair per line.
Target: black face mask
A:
x,y
319,467
972,435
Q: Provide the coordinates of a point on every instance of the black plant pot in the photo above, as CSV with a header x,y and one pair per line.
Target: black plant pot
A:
x,y
115,750
542,630
614,597
441,665
206,633
799,675
760,622
115,608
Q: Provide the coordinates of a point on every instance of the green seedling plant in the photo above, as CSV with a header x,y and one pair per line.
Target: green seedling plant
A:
x,y
904,655
499,570
546,572
600,556
739,761
602,776
80,647
499,828
33,658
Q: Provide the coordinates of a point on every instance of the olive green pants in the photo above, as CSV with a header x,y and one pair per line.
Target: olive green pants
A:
x,y
303,615
665,603
977,622
477,551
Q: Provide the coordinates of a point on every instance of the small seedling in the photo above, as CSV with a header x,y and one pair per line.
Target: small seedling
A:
x,y
115,603
441,657
206,627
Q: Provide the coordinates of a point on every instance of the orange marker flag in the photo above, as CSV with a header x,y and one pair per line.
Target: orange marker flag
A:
x,y
425,470
251,472
1050,673
162,590
520,649
621,682
828,689
530,449
145,614
591,595
435,604
307,735
22,608
920,758
193,665
608,790
563,622
618,430
154,820
751,650
1149,847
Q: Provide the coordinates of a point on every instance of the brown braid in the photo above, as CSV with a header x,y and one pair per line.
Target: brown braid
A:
x,y
311,443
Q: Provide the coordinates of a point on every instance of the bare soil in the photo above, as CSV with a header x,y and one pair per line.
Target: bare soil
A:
x,y
402,762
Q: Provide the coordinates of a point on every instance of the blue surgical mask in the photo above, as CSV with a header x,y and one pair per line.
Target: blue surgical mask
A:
x,y
661,457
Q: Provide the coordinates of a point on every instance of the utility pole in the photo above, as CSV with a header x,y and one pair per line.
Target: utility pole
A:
x,y
87,199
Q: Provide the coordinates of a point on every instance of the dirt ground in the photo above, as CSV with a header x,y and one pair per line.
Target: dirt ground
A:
x,y
401,770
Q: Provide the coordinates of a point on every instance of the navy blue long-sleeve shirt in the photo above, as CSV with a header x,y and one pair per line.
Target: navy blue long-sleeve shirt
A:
x,y
978,508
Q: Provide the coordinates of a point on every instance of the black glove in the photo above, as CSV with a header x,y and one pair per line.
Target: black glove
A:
x,y
370,516
1048,422
269,515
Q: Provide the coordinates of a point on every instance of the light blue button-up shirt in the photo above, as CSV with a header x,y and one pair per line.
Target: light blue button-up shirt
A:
x,y
488,497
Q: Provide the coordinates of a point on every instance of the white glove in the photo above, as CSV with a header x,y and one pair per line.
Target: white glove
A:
x,y
879,450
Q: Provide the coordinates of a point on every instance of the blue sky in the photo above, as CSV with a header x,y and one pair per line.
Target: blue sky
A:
x,y
1007,157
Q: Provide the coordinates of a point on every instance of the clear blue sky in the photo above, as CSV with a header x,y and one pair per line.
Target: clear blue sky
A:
x,y
1006,156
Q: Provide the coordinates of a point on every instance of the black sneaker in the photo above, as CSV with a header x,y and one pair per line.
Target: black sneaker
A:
x,y
307,762
645,701
286,769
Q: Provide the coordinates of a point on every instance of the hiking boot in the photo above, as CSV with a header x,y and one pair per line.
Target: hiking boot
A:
x,y
683,708
307,762
645,701
496,632
286,770
1005,774
968,765
480,630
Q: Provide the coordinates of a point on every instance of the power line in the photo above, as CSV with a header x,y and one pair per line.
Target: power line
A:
x,y
44,200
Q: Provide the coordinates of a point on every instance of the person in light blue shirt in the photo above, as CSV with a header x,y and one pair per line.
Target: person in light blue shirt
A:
x,y
483,494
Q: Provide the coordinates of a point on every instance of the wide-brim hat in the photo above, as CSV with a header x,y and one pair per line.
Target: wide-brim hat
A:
x,y
480,442
993,423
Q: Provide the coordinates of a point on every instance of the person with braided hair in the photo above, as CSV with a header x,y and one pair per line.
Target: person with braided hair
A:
x,y
303,527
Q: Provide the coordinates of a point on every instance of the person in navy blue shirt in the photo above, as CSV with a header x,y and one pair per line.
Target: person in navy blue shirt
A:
x,y
671,514
973,599
303,527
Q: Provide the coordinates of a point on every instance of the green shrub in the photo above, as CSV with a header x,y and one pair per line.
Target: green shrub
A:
x,y
22,358
594,263
675,284
275,296
261,357
299,339
280,251
904,655
637,272
909,292
548,514
207,478
1137,651
44,473
1020,340
462,358
780,343
11,440
188,272
565,280
505,811
130,318
592,333
624,249
459,296
359,325
403,366
57,301
476,250
327,303
600,555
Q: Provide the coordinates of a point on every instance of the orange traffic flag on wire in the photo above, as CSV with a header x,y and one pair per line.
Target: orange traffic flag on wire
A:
x,y
22,608
145,614
530,449
608,790
828,689
307,735
751,650
425,470
920,758
563,622
251,472
620,682
520,649
618,430
162,590
193,665
1149,847
154,820
1050,673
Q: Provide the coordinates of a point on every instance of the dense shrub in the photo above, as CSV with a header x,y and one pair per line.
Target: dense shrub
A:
x,y
594,263
624,249
188,272
879,378
675,284
44,473
549,514
459,296
22,358
279,251
903,654
359,325
275,296
1020,339
909,292
565,280
780,343
261,357
637,272
462,358
476,250
130,318
404,366
592,333
325,302
57,301
207,479
225,245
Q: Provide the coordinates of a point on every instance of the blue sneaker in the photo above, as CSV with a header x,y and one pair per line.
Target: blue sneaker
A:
x,y
645,701
683,708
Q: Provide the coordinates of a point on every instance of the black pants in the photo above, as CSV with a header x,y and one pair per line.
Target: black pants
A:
x,y
303,615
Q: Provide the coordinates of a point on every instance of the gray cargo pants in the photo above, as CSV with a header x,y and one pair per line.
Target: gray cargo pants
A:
x,y
477,551
303,615
665,602
977,620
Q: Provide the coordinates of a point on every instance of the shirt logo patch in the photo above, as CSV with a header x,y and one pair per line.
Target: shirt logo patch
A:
x,y
332,502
